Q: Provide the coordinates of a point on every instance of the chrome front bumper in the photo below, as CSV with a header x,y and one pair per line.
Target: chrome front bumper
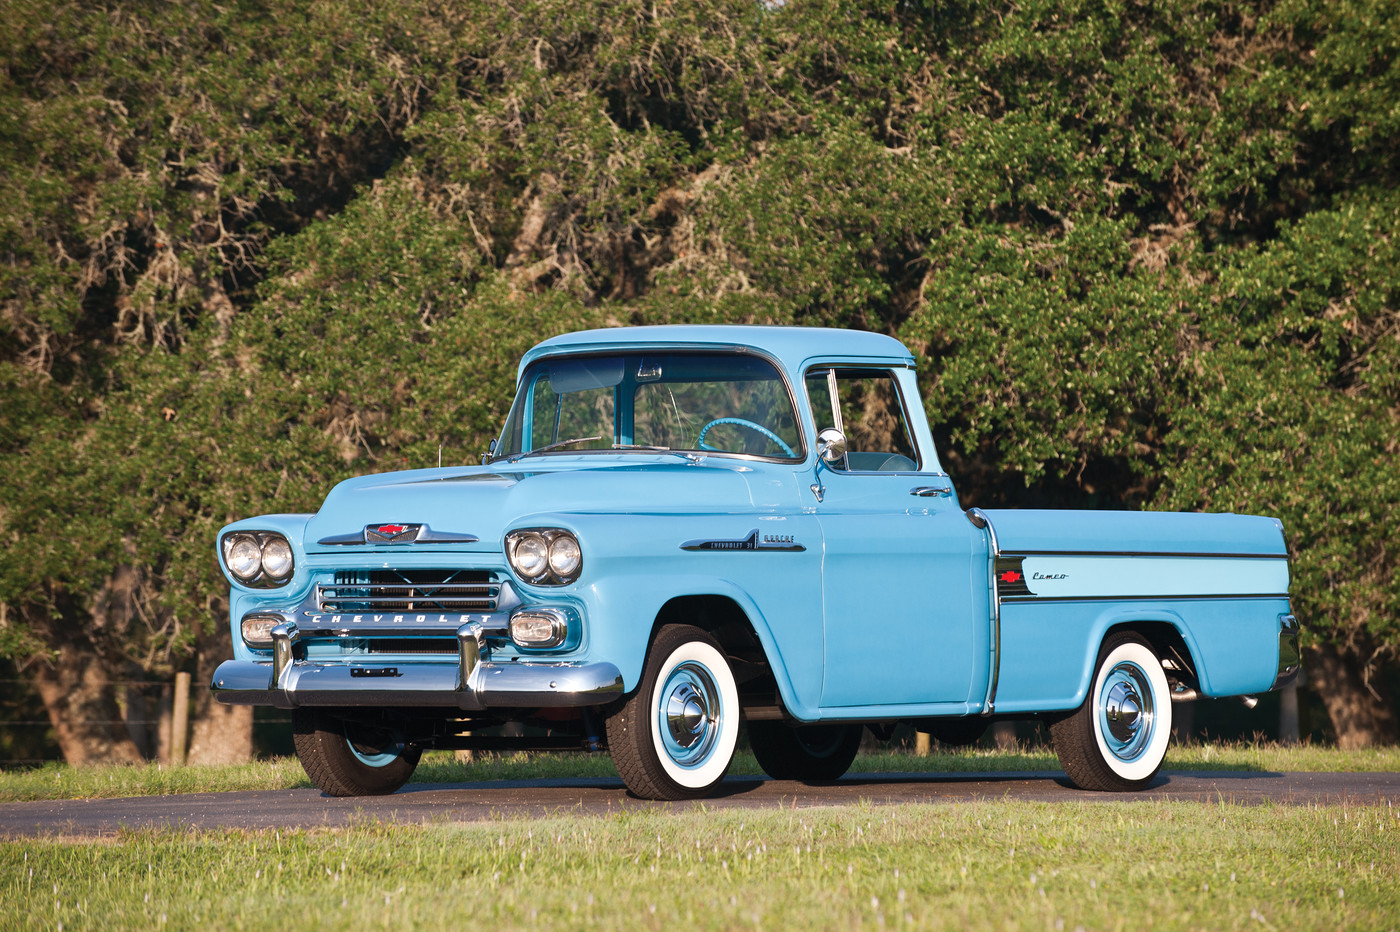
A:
x,y
465,683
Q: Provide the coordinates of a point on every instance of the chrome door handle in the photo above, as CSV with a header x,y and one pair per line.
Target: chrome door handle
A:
x,y
932,491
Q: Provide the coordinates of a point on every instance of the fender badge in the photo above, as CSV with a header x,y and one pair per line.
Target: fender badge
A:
x,y
776,543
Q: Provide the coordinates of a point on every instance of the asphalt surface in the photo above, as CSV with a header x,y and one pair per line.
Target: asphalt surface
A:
x,y
474,802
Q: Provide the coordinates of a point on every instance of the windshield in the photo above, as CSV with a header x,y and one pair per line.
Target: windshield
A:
x,y
691,402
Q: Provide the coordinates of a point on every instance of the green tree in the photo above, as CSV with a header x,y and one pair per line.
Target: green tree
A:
x,y
1146,254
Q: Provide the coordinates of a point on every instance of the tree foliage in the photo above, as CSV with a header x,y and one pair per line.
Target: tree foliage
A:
x,y
1145,252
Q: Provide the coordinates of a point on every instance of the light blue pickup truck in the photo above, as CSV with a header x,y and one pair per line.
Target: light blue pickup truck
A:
x,y
685,531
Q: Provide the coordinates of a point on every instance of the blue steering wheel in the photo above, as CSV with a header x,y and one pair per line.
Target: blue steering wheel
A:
x,y
740,422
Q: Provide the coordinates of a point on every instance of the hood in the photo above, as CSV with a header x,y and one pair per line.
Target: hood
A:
x,y
486,501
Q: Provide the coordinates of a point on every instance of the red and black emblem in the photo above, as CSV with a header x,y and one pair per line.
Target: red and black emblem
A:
x,y
391,533
1010,577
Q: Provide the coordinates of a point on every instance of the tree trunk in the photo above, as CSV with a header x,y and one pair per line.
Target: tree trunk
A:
x,y
81,701
222,734
1362,718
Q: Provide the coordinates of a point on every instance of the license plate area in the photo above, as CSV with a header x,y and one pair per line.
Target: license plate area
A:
x,y
362,672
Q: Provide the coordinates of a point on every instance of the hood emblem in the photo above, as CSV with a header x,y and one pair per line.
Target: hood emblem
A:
x,y
378,533
398,534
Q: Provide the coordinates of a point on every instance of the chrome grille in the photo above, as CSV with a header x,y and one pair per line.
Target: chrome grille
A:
x,y
410,591
418,645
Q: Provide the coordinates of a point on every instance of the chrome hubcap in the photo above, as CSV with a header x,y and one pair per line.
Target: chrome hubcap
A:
x,y
1126,711
690,714
685,715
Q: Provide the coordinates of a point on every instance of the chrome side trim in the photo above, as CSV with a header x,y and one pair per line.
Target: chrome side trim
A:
x,y
1290,658
1144,553
1187,597
418,685
979,519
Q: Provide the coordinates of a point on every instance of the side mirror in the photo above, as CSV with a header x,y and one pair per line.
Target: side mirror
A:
x,y
490,451
831,445
831,452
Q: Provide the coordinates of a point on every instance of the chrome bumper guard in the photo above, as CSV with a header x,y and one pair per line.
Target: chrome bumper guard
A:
x,y
466,684
1290,657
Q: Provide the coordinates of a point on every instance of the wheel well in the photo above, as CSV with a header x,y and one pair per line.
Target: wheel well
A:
x,y
725,621
721,618
1169,646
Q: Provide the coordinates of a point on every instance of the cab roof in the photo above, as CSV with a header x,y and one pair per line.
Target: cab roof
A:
x,y
792,346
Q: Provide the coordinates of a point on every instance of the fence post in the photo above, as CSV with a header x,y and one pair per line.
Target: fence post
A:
x,y
1288,714
180,720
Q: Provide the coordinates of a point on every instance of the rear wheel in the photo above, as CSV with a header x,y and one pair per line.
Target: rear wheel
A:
x,y
674,737
348,758
810,753
1118,738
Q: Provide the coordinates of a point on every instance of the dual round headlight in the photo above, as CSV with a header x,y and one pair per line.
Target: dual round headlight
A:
x,y
259,558
544,556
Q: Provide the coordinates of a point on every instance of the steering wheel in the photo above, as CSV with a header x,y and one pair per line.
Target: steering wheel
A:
x,y
740,422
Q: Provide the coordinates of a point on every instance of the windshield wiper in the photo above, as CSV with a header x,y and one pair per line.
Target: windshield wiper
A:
x,y
552,446
650,448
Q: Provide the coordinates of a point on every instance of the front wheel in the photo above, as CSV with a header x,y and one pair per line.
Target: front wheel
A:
x,y
348,758
810,753
674,737
1118,738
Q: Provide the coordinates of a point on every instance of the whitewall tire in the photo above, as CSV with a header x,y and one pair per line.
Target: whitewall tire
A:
x,y
1118,738
674,738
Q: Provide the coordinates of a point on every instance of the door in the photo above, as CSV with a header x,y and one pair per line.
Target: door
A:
x,y
897,580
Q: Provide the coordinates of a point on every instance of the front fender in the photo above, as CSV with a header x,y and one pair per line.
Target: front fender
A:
x,y
622,613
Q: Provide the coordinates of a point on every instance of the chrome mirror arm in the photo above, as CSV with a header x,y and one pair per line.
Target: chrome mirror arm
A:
x,y
831,448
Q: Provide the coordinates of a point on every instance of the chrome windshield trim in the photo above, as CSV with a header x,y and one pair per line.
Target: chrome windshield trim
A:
x,y
644,349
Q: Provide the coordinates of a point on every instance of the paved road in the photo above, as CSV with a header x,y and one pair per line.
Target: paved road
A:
x,y
470,802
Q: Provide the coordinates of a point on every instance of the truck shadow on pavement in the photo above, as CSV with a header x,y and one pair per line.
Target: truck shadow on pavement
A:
x,y
1031,784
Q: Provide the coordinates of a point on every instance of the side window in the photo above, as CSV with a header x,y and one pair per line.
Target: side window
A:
x,y
867,409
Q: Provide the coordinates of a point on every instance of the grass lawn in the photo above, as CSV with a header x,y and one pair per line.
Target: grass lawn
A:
x,y
987,864
58,781
990,864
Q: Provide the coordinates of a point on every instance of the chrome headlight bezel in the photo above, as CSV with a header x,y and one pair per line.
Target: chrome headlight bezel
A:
x,y
261,577
570,552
